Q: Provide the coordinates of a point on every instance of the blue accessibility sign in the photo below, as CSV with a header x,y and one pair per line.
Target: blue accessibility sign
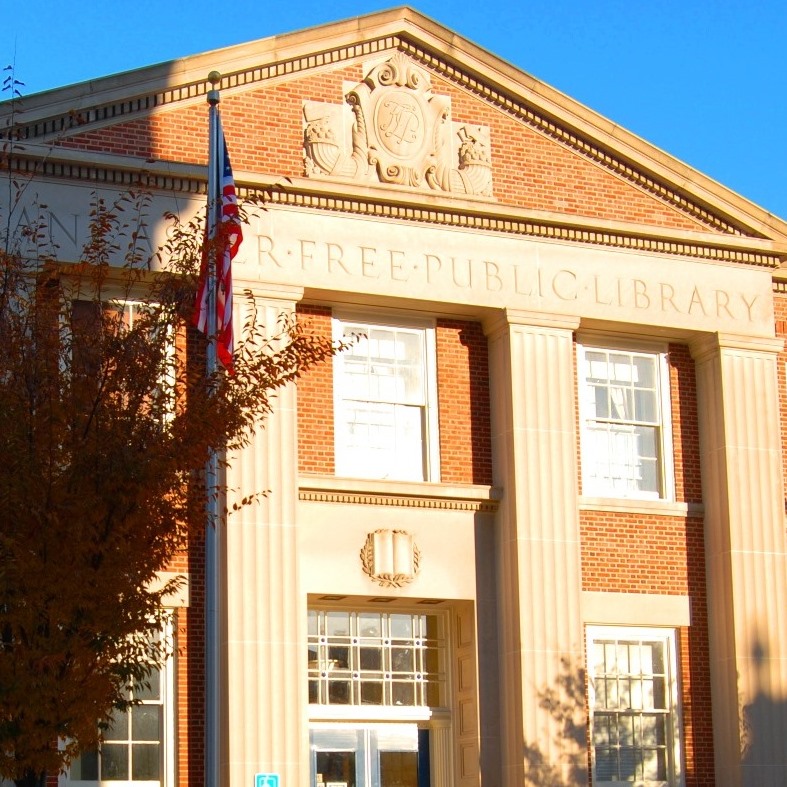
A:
x,y
266,780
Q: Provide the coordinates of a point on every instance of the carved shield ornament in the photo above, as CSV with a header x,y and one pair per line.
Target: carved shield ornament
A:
x,y
400,133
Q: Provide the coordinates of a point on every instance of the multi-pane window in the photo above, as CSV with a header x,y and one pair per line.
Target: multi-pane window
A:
x,y
376,658
385,401
129,313
132,750
625,419
121,316
633,706
137,749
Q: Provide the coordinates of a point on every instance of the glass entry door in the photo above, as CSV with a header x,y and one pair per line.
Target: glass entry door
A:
x,y
384,755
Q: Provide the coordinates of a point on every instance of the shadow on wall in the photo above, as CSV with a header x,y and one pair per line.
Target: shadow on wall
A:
x,y
565,703
764,728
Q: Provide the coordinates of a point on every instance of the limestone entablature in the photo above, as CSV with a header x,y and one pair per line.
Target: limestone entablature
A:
x,y
446,497
400,202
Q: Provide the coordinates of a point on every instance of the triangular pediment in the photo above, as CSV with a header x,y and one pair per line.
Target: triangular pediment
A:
x,y
401,108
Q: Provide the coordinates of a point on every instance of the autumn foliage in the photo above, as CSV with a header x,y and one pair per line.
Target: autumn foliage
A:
x,y
106,420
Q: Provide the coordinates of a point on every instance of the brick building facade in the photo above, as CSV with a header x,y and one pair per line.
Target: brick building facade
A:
x,y
529,528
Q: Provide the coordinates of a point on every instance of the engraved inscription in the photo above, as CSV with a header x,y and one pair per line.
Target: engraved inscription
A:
x,y
523,276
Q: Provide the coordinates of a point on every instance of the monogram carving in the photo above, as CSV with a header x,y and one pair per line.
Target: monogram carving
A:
x,y
400,125
395,130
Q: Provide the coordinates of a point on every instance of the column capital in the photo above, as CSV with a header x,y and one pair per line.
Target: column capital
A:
x,y
284,293
502,319
708,344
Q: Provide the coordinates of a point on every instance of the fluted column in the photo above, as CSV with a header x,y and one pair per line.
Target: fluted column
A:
x,y
440,752
746,557
534,444
266,729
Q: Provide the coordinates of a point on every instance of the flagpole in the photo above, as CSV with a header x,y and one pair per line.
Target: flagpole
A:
x,y
212,562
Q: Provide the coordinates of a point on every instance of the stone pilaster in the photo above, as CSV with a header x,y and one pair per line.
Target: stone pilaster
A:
x,y
538,550
440,755
266,728
746,556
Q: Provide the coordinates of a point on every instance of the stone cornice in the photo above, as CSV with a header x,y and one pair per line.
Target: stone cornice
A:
x,y
43,161
401,203
500,323
445,497
707,346
480,216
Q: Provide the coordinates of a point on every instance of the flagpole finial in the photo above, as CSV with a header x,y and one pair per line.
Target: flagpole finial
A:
x,y
213,94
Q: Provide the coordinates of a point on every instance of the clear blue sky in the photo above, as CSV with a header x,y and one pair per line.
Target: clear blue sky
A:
x,y
705,80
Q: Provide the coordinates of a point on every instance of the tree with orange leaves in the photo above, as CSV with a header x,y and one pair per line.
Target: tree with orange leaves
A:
x,y
105,426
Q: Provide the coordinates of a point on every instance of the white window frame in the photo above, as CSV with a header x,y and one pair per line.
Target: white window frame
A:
x,y
354,675
367,743
359,719
598,487
129,309
167,740
672,748
359,467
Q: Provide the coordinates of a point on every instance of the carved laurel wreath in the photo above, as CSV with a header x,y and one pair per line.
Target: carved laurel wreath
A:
x,y
387,580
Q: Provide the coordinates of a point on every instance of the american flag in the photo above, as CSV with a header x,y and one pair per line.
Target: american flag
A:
x,y
230,234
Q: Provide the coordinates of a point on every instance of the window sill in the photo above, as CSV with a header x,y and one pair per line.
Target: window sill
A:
x,y
635,506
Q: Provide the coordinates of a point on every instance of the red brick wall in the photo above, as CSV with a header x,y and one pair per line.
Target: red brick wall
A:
x,y
635,553
315,401
190,674
685,425
626,552
694,669
264,127
531,170
463,401
189,623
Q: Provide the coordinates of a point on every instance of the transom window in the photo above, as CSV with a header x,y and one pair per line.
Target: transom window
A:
x,y
386,420
625,418
633,706
376,658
